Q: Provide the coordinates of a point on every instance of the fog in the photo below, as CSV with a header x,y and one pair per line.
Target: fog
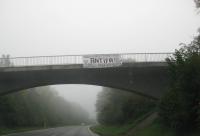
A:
x,y
85,95
63,27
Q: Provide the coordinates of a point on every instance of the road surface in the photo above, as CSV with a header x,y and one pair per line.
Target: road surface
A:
x,y
60,131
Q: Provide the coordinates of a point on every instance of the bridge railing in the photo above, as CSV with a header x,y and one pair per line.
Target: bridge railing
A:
x,y
78,59
145,57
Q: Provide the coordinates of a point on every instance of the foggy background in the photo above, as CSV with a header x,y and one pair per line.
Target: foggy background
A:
x,y
85,95
63,27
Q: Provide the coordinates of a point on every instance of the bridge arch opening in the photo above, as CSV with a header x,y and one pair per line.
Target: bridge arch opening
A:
x,y
80,93
76,86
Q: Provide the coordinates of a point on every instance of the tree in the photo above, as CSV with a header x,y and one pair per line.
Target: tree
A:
x,y
119,107
179,108
39,107
197,2
5,61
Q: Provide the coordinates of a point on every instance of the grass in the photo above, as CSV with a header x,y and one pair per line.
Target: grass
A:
x,y
110,130
155,129
4,130
117,130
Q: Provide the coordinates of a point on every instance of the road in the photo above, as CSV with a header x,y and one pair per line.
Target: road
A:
x,y
60,131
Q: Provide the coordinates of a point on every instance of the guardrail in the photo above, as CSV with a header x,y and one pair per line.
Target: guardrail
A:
x,y
78,59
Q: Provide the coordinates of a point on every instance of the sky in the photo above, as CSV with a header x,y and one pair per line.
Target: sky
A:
x,y
64,27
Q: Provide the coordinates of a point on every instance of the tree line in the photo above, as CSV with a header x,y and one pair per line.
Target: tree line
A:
x,y
117,107
39,107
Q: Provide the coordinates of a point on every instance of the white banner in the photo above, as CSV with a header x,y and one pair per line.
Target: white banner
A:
x,y
100,61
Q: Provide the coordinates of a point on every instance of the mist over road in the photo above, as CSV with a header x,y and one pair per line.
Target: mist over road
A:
x,y
59,131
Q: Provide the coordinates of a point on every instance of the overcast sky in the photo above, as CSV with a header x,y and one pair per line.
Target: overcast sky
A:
x,y
57,27
54,27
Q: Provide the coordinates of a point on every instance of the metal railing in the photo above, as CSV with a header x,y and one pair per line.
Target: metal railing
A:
x,y
78,59
145,57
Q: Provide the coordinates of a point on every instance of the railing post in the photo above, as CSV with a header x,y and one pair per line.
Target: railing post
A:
x,y
145,57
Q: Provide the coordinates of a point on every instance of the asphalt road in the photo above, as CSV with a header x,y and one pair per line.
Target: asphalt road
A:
x,y
60,131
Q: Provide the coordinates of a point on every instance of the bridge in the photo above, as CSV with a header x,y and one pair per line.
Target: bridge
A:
x,y
142,73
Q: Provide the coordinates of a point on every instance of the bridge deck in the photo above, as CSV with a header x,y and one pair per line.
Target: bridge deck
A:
x,y
144,74
76,66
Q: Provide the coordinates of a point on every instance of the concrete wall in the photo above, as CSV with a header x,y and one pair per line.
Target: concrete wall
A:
x,y
148,79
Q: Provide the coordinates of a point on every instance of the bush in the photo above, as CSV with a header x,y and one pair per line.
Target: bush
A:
x,y
179,108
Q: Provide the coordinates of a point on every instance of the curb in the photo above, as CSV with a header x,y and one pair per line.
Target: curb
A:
x,y
92,133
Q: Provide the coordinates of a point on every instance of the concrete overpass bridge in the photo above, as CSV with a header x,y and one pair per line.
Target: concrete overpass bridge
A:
x,y
142,73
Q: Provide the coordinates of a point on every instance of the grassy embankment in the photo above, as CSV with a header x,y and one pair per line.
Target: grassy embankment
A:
x,y
154,129
157,129
4,131
117,130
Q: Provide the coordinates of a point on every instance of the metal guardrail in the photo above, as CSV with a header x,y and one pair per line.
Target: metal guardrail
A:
x,y
78,59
